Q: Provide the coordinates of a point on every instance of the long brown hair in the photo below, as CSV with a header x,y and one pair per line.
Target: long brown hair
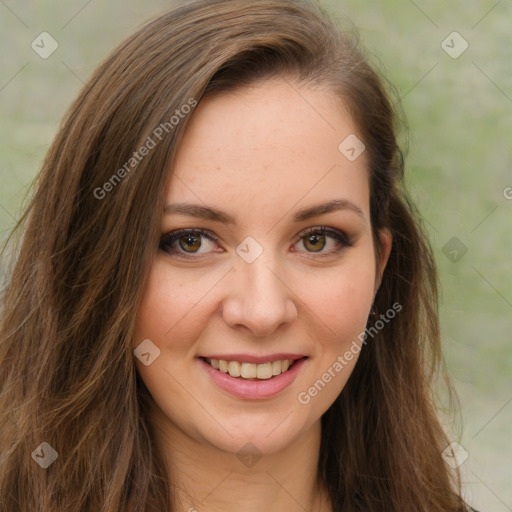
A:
x,y
67,373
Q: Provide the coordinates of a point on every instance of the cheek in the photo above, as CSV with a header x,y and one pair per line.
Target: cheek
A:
x,y
171,306
340,300
338,303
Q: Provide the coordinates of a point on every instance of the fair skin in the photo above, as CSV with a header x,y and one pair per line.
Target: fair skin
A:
x,y
259,154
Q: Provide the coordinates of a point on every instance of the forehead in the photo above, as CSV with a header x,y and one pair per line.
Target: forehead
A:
x,y
268,147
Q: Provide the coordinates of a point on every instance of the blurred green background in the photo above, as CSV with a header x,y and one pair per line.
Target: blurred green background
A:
x,y
459,163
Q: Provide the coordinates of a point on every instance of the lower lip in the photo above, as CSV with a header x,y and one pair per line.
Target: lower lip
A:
x,y
254,389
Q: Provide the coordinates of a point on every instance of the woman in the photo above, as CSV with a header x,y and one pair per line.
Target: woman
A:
x,y
222,297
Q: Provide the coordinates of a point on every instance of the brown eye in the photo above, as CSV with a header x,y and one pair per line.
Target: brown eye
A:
x,y
190,242
322,241
314,242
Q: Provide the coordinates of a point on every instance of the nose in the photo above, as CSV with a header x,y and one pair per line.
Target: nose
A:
x,y
258,298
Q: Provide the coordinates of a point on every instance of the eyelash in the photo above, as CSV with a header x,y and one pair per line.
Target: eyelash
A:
x,y
167,240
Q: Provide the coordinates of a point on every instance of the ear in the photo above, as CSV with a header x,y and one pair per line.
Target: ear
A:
x,y
386,241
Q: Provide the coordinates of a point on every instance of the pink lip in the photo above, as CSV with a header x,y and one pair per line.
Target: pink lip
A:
x,y
253,389
247,358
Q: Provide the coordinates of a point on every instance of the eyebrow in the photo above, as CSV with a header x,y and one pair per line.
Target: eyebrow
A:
x,y
329,207
210,213
201,212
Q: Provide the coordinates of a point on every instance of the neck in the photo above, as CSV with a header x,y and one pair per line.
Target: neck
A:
x,y
211,480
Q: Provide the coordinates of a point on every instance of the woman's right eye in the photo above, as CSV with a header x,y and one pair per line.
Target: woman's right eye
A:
x,y
188,242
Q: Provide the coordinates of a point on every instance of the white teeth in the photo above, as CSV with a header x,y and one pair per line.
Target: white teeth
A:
x,y
248,371
264,371
277,367
261,371
234,368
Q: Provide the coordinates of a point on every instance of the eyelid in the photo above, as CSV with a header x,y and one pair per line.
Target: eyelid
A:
x,y
185,231
337,234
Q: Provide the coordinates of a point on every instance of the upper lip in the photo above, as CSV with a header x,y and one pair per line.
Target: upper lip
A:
x,y
248,358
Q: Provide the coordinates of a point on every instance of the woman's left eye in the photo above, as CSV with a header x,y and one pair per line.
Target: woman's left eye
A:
x,y
323,240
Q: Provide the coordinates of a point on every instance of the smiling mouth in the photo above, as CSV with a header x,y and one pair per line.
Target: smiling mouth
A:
x,y
251,371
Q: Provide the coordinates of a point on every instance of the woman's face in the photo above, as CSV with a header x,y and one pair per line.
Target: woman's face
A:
x,y
266,258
